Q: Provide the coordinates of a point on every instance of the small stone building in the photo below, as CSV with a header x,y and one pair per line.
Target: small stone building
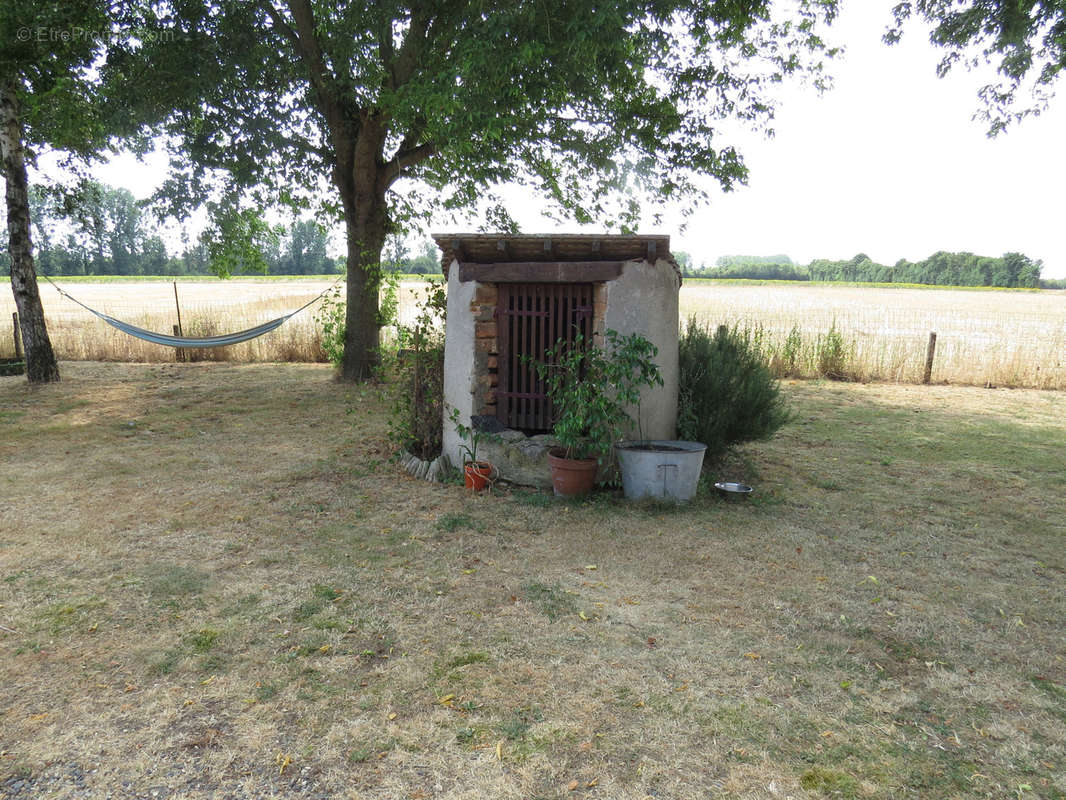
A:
x,y
513,295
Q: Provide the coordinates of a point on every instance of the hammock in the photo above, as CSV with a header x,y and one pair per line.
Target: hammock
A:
x,y
190,341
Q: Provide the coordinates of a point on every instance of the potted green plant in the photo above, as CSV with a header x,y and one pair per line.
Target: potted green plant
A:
x,y
591,389
477,474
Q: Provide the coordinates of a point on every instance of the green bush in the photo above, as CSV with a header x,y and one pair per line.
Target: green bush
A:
x,y
727,395
416,422
833,355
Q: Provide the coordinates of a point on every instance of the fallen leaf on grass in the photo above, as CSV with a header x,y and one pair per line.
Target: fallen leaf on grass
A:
x,y
282,761
752,656
572,786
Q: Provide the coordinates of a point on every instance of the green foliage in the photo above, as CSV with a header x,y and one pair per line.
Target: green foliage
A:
x,y
833,354
940,269
389,304
592,389
1012,270
1026,38
471,436
45,55
416,420
727,395
237,239
410,108
452,521
830,783
761,271
330,319
330,316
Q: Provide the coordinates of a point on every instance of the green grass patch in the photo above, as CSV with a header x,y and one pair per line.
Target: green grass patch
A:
x,y
453,521
829,782
174,581
551,600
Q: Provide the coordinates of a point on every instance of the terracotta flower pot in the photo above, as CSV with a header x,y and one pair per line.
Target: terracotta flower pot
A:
x,y
477,475
571,477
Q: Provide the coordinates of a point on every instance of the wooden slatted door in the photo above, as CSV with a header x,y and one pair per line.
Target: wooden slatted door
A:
x,y
531,318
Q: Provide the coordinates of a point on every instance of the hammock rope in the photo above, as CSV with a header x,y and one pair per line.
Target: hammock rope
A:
x,y
187,341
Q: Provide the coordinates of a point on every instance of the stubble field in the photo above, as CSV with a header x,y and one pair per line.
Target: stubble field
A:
x,y
995,338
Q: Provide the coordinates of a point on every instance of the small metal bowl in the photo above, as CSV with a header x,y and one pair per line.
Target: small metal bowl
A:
x,y
733,491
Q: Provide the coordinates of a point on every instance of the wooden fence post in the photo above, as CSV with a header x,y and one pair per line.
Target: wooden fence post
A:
x,y
18,336
930,353
179,352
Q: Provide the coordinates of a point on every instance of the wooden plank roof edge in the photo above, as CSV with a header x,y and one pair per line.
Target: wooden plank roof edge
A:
x,y
489,247
511,237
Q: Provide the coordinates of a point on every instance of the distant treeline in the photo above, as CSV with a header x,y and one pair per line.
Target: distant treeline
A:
x,y
100,230
940,269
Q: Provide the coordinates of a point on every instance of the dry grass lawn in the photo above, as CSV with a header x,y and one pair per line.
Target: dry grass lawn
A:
x,y
213,584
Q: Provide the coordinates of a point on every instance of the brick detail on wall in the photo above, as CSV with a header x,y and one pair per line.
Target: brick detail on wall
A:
x,y
483,309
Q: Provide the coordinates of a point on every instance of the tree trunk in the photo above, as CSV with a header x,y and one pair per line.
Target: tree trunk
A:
x,y
366,218
41,366
365,242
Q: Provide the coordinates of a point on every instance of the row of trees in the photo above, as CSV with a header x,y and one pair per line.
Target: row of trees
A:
x,y
940,269
101,230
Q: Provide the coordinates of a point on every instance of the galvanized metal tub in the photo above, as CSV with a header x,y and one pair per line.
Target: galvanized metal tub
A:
x,y
664,469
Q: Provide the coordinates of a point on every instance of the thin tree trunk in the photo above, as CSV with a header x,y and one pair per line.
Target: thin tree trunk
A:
x,y
41,366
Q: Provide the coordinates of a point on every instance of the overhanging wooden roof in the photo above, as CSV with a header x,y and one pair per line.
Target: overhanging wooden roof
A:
x,y
572,256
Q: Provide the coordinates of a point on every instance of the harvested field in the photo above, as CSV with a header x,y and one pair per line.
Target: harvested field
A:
x,y
998,338
213,584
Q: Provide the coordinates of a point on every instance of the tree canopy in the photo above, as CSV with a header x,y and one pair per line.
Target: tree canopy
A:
x,y
1024,39
399,108
45,101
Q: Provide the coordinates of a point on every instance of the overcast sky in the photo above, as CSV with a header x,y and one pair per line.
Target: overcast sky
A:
x,y
889,163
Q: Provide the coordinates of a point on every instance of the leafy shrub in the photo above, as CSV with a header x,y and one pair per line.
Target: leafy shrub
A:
x,y
330,319
833,355
592,389
331,313
786,361
727,395
416,421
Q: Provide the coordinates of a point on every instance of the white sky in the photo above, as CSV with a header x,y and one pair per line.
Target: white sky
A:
x,y
889,163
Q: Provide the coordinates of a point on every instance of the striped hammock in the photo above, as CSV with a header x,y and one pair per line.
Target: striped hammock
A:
x,y
190,341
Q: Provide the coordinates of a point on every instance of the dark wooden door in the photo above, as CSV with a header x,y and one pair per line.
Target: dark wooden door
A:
x,y
530,319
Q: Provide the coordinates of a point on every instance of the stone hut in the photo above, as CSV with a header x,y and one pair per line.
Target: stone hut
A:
x,y
513,295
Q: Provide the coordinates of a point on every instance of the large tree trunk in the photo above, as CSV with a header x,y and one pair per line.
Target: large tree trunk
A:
x,y
366,219
41,366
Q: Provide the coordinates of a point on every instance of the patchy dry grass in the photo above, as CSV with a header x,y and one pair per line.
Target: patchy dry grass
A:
x,y
219,585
